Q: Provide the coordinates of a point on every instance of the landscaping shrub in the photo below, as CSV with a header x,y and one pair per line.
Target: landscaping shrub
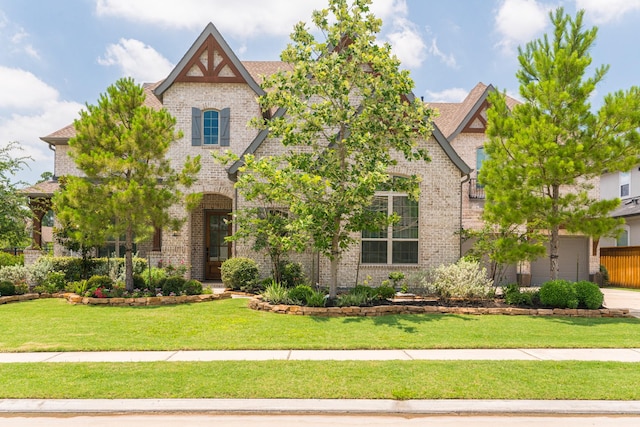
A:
x,y
238,272
420,283
275,293
589,295
21,288
55,281
385,292
559,294
465,280
7,259
16,274
173,285
95,282
317,299
291,274
78,287
300,294
153,278
514,296
192,287
353,299
7,289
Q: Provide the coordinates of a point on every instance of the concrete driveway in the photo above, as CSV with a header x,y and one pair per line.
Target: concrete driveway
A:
x,y
618,298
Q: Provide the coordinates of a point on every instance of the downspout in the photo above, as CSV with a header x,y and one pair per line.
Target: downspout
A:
x,y
464,181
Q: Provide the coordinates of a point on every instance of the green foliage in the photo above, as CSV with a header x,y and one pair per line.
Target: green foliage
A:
x,y
238,272
21,288
385,292
300,294
396,277
464,279
95,282
55,281
343,123
276,293
153,278
291,274
317,298
559,294
78,287
544,153
605,275
589,295
7,288
192,287
121,146
14,212
353,299
7,259
172,285
420,283
513,295
16,274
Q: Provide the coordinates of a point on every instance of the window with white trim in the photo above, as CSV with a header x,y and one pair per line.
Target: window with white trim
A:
x,y
397,243
623,238
625,184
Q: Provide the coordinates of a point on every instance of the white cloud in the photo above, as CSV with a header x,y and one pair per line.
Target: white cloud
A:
x,y
519,21
137,60
21,89
29,109
406,43
275,17
449,60
15,38
606,11
455,94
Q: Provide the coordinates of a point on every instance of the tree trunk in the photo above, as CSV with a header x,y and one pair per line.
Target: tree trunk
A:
x,y
128,260
333,284
555,234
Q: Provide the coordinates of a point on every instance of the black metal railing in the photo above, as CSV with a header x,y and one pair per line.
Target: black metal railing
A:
x,y
476,190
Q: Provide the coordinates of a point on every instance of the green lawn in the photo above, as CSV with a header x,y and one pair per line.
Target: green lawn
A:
x,y
313,379
55,325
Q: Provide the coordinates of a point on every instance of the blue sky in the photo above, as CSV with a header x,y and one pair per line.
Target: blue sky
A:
x,y
55,56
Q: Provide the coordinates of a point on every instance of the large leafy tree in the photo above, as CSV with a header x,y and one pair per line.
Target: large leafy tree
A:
x,y
129,184
14,212
349,115
545,154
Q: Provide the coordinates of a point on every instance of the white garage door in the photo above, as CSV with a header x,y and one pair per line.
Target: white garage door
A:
x,y
573,260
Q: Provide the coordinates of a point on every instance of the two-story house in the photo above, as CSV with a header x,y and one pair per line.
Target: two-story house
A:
x,y
213,95
464,126
626,186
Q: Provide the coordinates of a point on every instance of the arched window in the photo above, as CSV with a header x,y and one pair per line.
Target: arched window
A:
x,y
211,127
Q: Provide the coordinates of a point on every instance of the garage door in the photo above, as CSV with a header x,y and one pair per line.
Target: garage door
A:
x,y
510,270
573,260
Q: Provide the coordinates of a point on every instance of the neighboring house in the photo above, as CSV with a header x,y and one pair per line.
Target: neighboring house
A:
x,y
626,186
213,96
464,126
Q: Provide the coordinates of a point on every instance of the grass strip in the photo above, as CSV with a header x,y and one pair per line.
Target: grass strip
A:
x,y
335,379
55,325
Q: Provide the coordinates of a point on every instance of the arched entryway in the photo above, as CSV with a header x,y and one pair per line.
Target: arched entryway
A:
x,y
211,224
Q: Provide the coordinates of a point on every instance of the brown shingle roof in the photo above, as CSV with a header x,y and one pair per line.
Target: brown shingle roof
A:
x,y
259,69
42,189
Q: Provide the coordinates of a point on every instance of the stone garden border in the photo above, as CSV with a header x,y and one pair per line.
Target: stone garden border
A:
x,y
381,310
120,302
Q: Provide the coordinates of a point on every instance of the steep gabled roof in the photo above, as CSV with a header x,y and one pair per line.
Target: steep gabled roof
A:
x,y
467,116
210,60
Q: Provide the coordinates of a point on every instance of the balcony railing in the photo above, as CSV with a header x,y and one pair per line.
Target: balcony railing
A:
x,y
476,190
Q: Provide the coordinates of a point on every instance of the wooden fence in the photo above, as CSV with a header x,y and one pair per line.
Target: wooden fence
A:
x,y
623,265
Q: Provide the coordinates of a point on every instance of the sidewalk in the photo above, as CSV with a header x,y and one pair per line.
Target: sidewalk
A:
x,y
587,354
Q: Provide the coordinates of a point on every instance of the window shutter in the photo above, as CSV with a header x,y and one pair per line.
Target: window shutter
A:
x,y
225,118
196,126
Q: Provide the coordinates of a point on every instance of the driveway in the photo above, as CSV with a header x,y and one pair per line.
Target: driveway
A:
x,y
618,298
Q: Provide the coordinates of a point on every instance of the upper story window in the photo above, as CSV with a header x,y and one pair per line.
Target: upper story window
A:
x,y
210,127
625,184
480,158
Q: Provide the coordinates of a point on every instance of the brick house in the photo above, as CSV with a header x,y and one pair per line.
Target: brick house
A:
x,y
464,126
213,96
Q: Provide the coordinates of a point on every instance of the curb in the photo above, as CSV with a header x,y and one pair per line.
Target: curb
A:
x,y
319,406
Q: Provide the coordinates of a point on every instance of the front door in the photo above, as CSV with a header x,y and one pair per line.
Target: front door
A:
x,y
217,250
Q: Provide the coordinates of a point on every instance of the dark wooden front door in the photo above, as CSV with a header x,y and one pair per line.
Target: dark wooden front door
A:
x,y
218,226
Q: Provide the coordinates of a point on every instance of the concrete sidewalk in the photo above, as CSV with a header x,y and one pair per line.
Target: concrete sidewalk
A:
x,y
317,406
587,354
